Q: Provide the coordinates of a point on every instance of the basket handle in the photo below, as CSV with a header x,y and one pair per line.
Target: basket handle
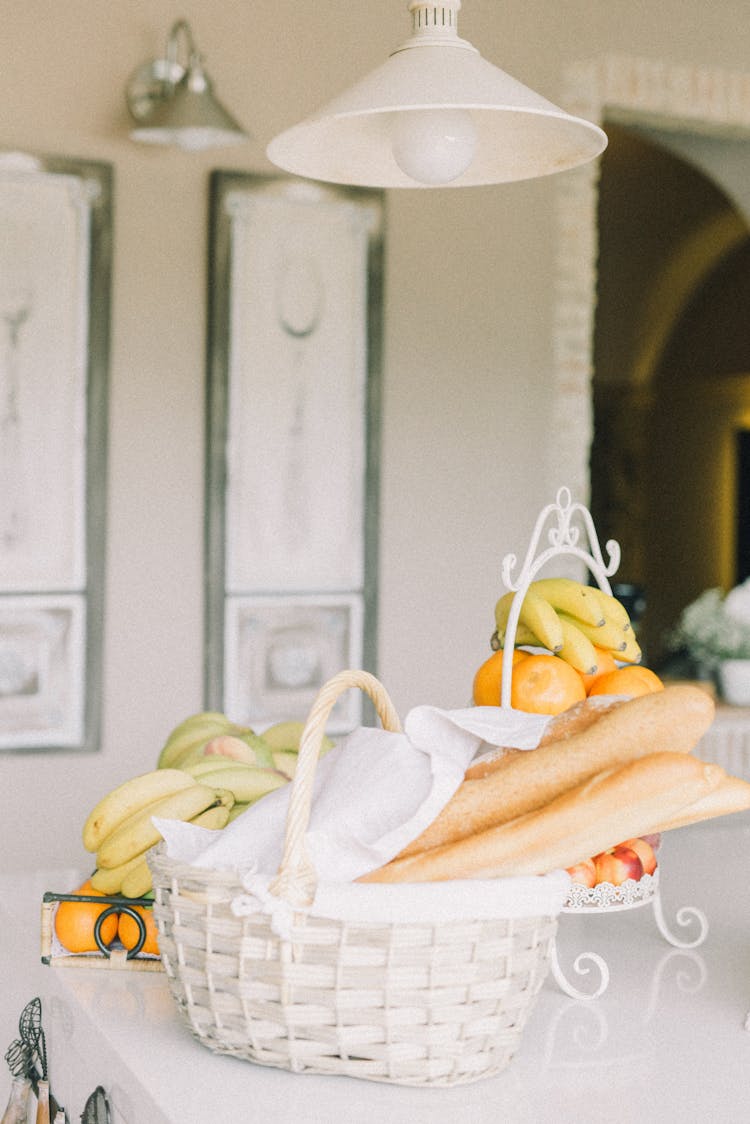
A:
x,y
296,878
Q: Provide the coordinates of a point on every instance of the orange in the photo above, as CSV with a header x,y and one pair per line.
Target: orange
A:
x,y
545,684
129,932
631,680
605,662
74,922
488,679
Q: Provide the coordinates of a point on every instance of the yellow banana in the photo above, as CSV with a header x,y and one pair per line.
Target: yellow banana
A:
x,y
137,881
110,881
536,614
137,833
246,782
502,611
213,819
577,649
612,609
610,635
128,798
539,616
524,637
631,653
194,732
571,597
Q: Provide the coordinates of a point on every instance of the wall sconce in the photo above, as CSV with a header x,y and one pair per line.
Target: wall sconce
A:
x,y
436,114
173,102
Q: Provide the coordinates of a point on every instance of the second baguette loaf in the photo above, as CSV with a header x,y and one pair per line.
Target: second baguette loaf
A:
x,y
731,795
671,720
618,804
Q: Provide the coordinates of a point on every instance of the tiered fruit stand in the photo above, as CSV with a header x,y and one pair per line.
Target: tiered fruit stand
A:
x,y
565,529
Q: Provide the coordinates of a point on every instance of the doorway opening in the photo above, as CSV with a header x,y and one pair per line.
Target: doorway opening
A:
x,y
670,451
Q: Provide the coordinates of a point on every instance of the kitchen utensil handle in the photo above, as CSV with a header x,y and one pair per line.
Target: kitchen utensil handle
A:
x,y
42,1103
16,1109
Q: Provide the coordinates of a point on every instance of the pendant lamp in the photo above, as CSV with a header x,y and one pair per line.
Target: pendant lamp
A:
x,y
436,114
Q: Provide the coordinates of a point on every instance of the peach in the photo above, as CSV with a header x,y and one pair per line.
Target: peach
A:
x,y
618,865
645,853
583,872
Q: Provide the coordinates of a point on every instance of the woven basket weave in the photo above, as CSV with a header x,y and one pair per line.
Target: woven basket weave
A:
x,y
411,1003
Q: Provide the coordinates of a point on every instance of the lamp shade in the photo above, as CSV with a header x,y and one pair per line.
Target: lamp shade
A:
x,y
497,128
174,104
190,118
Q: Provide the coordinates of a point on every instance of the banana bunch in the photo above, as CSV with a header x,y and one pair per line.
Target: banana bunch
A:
x,y
251,766
221,754
571,620
119,829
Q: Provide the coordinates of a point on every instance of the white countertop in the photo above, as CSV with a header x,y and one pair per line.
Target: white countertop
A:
x,y
665,1043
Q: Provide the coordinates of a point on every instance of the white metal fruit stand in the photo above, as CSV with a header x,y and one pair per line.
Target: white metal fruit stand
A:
x,y
569,530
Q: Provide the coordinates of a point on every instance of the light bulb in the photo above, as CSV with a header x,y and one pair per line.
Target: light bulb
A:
x,y
434,146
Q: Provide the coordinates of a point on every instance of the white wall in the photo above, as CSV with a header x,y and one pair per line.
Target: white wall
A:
x,y
466,381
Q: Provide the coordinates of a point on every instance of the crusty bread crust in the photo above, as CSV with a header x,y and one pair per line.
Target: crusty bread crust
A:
x,y
561,727
731,795
672,720
620,803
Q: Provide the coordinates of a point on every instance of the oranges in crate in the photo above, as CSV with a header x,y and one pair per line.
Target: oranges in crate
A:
x,y
129,933
75,922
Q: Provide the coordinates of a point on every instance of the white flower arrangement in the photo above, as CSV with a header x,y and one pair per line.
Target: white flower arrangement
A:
x,y
715,627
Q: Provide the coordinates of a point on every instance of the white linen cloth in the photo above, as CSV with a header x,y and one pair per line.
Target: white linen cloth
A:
x,y
373,793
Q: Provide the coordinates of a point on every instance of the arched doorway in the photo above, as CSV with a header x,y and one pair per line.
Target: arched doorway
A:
x,y
670,388
669,108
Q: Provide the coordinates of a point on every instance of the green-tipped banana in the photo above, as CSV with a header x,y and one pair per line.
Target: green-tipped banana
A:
x,y
110,881
249,749
284,735
246,782
114,808
194,732
237,810
137,833
213,765
577,649
568,596
137,881
285,760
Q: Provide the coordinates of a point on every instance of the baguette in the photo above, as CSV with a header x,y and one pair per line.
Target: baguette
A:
x,y
672,720
621,803
561,727
731,795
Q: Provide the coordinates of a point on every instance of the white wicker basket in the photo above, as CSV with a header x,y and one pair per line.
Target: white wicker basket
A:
x,y
428,1002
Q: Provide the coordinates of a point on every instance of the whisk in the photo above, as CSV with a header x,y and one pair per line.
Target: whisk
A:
x,y
32,1036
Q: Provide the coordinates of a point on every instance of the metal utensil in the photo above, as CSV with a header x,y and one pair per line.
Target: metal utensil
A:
x,y
96,1109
